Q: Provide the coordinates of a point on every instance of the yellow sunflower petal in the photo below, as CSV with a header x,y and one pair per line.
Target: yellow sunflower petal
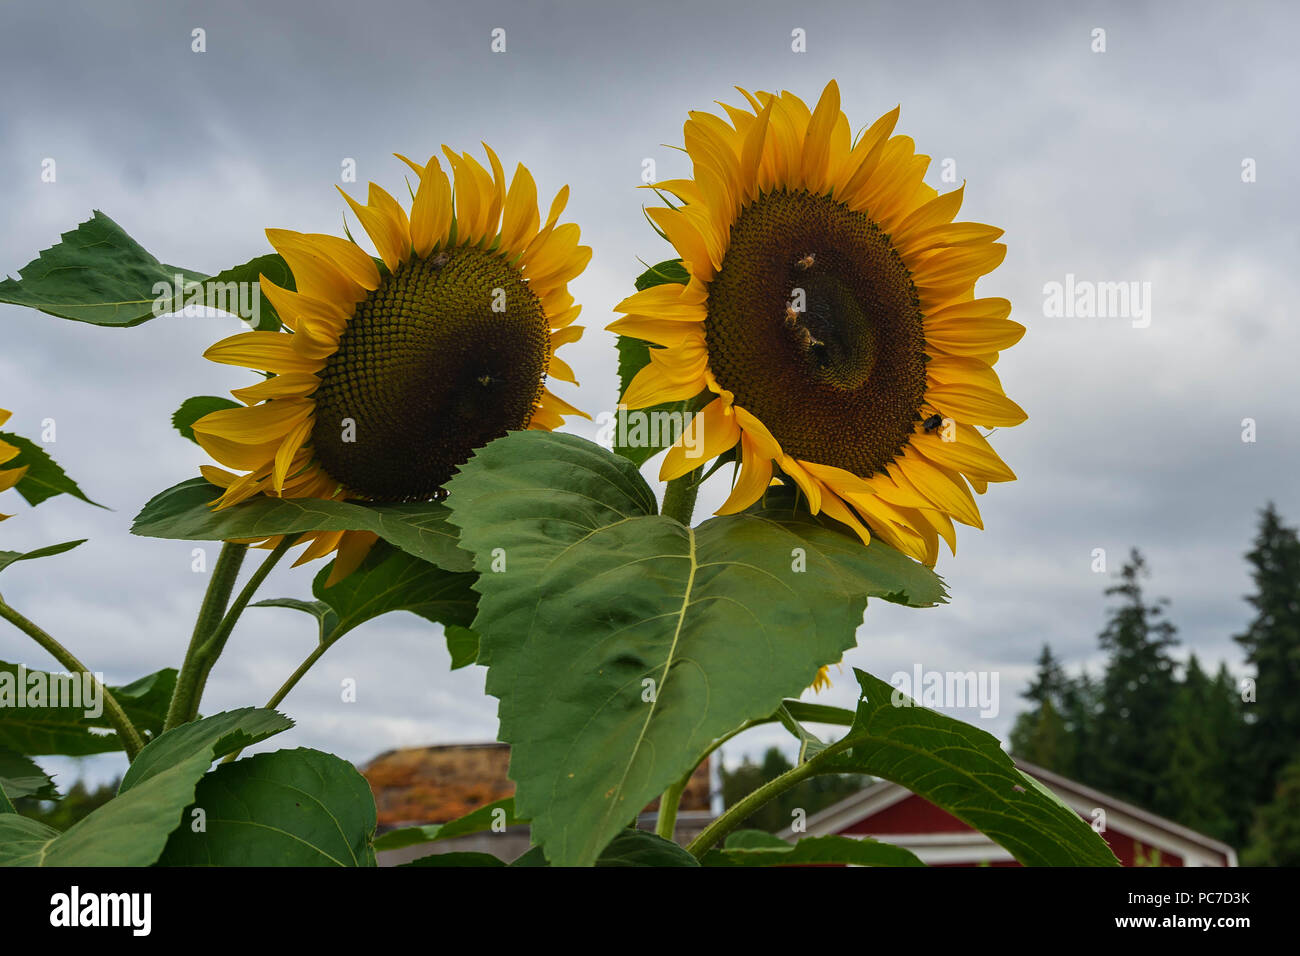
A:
x,y
267,351
352,550
711,431
754,479
431,210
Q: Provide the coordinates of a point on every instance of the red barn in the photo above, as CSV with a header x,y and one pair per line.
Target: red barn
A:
x,y
893,814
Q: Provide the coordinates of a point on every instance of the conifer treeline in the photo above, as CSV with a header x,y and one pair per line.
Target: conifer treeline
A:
x,y
1216,752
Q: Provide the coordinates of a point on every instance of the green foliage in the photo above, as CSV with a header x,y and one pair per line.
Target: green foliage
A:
x,y
389,579
21,777
1272,646
963,770
639,848
66,730
9,557
1275,836
287,808
99,275
810,796
484,818
184,511
132,828
642,626
1186,746
628,848
1202,782
192,409
759,848
44,479
1041,736
1135,731
274,268
76,804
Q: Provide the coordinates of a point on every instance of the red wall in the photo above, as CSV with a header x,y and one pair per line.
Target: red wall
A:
x,y
915,815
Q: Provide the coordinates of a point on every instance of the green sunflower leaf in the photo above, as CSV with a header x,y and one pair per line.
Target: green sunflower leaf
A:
x,y
44,729
192,409
457,859
628,848
670,270
462,644
133,828
9,557
389,579
641,848
641,434
44,478
288,808
918,586
484,818
21,777
184,512
97,274
326,619
100,275
963,770
262,315
757,848
656,637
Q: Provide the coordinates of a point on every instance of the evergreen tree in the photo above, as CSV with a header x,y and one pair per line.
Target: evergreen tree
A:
x,y
1040,735
1080,704
1275,838
1202,787
1272,646
1135,724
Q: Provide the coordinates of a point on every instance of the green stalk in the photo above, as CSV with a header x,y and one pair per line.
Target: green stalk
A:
x,y
290,683
220,585
672,797
211,648
680,495
132,742
738,812
679,503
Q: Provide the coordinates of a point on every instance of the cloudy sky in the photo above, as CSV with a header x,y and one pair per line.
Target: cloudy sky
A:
x,y
1115,166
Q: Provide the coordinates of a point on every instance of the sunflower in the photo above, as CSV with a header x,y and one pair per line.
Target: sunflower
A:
x,y
392,373
830,317
8,476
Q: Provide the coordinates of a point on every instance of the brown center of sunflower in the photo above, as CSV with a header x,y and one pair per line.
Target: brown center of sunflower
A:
x,y
815,325
447,354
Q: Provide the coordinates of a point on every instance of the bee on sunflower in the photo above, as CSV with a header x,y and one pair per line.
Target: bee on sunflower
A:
x,y
830,315
390,374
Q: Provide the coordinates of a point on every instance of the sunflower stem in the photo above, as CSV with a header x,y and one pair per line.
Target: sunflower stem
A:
x,y
132,742
211,648
672,797
680,495
738,812
679,503
220,586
